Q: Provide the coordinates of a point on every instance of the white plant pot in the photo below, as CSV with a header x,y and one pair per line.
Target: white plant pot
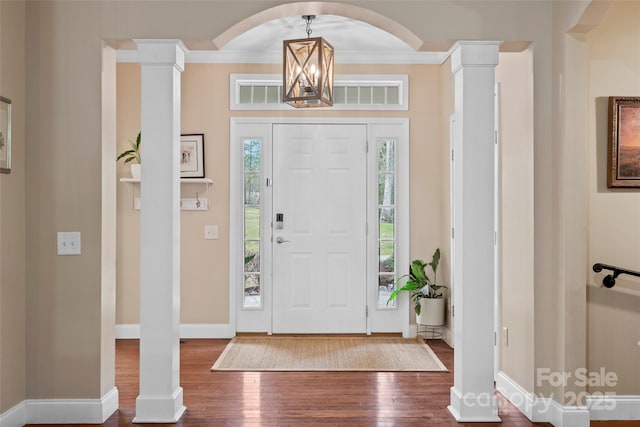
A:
x,y
431,312
135,170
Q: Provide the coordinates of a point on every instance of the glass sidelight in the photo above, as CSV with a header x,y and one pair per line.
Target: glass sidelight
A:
x,y
386,220
251,234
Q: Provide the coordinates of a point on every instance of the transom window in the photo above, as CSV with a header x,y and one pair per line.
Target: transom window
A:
x,y
361,92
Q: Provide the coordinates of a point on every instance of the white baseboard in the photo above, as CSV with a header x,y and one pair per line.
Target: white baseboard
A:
x,y
515,394
220,330
547,410
541,409
128,332
618,408
71,411
14,417
446,336
110,403
187,330
413,331
473,407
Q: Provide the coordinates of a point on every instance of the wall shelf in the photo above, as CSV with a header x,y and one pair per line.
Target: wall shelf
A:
x,y
189,204
207,181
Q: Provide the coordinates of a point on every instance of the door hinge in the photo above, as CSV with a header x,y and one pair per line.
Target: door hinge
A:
x,y
495,338
366,146
269,182
366,311
495,137
453,310
452,155
452,233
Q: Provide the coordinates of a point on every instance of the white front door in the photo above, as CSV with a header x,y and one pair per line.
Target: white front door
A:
x,y
320,251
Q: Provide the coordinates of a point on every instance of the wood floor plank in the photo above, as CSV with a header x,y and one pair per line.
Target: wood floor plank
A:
x,y
266,399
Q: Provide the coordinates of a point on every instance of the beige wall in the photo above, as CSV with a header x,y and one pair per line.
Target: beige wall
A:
x,y
63,193
446,110
12,211
559,218
514,75
64,188
205,109
614,215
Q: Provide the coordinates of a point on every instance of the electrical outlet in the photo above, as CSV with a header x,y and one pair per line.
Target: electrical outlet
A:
x,y
69,243
210,232
505,336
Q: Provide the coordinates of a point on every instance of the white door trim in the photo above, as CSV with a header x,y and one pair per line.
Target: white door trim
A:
x,y
497,260
259,320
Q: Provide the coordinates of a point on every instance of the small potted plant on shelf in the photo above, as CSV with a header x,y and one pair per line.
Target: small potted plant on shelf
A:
x,y
426,294
132,156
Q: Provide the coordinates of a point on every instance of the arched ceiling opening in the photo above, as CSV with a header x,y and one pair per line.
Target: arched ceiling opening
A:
x,y
591,17
320,8
358,35
348,37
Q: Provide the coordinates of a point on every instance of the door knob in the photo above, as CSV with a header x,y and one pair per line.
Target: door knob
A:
x,y
280,239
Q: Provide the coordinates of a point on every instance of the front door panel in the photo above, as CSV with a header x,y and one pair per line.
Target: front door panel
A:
x,y
319,253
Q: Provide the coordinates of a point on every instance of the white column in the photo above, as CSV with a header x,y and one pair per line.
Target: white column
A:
x,y
472,395
160,399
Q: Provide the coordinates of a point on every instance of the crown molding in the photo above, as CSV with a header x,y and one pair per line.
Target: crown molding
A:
x,y
243,57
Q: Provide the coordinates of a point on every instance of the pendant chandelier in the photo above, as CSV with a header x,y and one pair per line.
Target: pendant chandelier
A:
x,y
308,70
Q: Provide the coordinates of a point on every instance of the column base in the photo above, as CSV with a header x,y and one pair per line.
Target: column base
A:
x,y
158,409
474,407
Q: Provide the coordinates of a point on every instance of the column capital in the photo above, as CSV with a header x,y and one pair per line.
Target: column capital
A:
x,y
169,52
473,53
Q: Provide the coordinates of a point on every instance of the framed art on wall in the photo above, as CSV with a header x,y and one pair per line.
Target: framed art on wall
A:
x,y
5,135
623,160
192,155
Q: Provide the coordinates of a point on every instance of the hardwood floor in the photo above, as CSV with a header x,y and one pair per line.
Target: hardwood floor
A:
x,y
288,399
300,398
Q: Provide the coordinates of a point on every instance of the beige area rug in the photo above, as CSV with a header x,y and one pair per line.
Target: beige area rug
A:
x,y
327,354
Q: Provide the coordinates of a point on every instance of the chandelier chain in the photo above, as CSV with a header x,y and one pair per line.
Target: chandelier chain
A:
x,y
309,20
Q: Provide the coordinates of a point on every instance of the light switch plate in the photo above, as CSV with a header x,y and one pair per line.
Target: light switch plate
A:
x,y
69,243
210,231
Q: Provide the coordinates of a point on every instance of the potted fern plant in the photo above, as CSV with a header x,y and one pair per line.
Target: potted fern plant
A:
x,y
425,294
132,156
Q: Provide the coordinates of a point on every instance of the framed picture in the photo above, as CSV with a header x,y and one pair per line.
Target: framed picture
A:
x,y
623,164
5,135
192,155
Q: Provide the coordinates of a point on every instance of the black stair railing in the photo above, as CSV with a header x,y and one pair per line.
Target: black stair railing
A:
x,y
610,279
